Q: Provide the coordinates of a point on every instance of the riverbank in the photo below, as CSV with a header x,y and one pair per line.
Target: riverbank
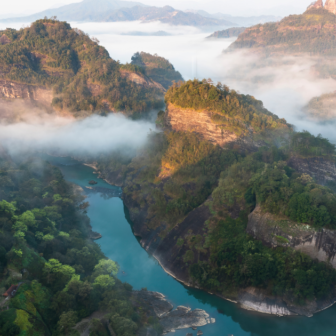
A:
x,y
109,218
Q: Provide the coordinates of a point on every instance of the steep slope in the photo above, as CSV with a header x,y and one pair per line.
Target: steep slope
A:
x,y
157,68
53,63
219,114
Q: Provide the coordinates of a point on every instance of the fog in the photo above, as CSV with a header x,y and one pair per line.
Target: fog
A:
x,y
67,136
284,84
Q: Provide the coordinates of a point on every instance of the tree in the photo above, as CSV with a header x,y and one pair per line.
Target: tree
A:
x,y
56,273
104,282
67,321
106,267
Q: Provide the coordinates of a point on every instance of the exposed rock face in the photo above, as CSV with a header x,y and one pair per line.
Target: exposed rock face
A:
x,y
171,320
157,301
330,5
276,231
12,90
146,82
258,300
183,318
4,39
321,169
189,120
316,4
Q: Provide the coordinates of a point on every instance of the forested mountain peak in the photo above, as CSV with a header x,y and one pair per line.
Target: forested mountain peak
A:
x,y
229,109
80,72
157,68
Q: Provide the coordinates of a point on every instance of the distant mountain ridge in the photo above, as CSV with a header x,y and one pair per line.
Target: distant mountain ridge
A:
x,y
115,11
227,33
238,20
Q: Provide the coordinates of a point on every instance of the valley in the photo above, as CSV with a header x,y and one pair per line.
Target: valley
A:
x,y
196,188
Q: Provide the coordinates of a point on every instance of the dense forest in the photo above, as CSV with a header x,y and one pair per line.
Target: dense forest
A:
x,y
231,111
157,68
80,72
45,249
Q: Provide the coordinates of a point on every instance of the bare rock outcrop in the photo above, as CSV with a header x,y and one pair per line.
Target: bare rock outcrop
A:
x,y
330,5
4,39
171,320
259,300
13,90
316,4
140,80
190,120
280,231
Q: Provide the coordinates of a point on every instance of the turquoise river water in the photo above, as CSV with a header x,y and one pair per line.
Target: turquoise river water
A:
x,y
109,217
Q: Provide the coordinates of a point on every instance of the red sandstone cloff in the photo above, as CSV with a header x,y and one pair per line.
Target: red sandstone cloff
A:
x,y
330,5
316,4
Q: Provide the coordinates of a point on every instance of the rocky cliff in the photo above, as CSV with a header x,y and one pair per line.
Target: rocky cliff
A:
x,y
317,4
330,6
14,90
280,231
201,122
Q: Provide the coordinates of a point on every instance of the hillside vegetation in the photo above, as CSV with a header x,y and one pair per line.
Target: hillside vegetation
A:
x,y
231,110
45,247
157,68
81,73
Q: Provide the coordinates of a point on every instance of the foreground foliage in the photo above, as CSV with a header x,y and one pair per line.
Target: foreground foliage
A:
x,y
44,246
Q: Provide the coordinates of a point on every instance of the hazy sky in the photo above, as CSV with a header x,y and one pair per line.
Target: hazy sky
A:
x,y
242,7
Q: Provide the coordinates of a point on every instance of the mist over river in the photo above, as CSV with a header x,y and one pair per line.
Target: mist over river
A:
x,y
109,217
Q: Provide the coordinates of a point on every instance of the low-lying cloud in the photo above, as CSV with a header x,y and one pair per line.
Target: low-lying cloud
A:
x,y
91,136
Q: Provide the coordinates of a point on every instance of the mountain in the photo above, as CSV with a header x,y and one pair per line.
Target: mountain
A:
x,y
223,209
51,63
114,11
238,20
81,11
312,32
157,68
227,33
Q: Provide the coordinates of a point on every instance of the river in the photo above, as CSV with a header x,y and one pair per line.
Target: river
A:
x,y
108,216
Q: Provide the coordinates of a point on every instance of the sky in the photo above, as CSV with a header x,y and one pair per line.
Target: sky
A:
x,y
237,7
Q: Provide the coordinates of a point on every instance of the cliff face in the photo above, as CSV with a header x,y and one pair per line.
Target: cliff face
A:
x,y
317,4
330,5
164,247
141,80
189,120
321,169
274,231
12,90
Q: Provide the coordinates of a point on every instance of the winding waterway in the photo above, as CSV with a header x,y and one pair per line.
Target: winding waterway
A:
x,y
109,217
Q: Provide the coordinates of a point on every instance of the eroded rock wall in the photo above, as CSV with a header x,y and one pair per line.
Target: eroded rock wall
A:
x,y
190,120
13,90
330,5
276,231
